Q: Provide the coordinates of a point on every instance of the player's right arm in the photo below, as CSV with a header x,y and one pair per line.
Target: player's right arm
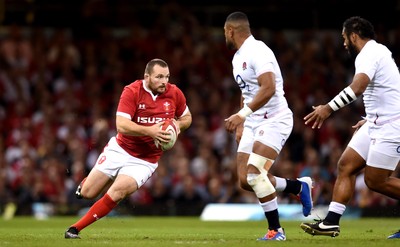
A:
x,y
322,112
266,82
127,127
267,88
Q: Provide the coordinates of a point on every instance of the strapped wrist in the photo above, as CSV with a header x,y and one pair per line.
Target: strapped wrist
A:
x,y
245,111
344,98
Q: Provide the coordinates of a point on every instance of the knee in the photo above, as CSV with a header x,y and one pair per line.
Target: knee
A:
x,y
117,195
88,193
347,167
261,185
342,166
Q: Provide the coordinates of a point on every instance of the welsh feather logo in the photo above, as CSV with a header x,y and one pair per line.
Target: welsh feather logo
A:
x,y
167,106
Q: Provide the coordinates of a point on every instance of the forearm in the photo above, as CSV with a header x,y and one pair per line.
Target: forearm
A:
x,y
350,93
260,99
127,127
345,97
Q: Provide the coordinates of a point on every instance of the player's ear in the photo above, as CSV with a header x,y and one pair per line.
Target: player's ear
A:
x,y
353,36
231,31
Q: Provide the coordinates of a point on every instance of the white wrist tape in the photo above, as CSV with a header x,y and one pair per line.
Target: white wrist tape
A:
x,y
344,98
245,111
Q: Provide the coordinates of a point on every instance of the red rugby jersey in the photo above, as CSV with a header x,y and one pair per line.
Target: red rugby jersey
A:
x,y
146,109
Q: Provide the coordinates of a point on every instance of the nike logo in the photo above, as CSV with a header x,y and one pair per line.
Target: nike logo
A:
x,y
325,227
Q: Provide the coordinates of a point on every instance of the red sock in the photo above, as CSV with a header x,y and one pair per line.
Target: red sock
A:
x,y
100,209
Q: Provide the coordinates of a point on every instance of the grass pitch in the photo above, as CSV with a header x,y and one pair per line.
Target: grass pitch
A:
x,y
188,231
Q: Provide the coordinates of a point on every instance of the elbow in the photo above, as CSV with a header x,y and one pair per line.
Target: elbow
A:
x,y
272,90
189,121
268,91
121,125
120,129
269,94
185,122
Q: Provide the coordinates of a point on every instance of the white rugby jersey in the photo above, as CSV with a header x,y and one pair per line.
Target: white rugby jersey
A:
x,y
252,59
382,95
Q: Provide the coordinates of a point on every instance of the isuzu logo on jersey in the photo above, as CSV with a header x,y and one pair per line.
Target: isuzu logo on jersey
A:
x,y
149,119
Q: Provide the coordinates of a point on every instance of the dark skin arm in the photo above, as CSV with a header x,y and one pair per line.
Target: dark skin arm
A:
x,y
264,94
322,112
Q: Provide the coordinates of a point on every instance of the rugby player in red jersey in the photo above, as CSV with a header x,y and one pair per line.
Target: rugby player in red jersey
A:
x,y
130,158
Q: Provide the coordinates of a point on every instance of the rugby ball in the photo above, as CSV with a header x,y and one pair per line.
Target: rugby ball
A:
x,y
169,126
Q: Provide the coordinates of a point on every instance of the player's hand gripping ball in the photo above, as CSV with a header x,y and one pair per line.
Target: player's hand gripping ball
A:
x,y
169,126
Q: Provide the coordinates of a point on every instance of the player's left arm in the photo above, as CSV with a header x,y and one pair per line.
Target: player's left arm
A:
x,y
184,121
183,115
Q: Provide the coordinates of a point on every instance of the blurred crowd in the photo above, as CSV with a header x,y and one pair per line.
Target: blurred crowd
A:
x,y
59,89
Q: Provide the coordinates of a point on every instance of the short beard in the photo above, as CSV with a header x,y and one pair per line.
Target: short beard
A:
x,y
157,90
352,50
230,45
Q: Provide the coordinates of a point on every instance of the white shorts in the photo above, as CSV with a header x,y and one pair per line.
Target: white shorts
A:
x,y
272,132
114,160
379,146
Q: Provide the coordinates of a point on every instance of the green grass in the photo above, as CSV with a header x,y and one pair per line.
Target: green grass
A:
x,y
187,231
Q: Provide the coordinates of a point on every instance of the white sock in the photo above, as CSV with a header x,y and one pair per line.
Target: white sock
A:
x,y
337,207
280,184
270,205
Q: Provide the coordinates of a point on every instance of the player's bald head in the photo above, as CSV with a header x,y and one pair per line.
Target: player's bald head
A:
x,y
239,21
